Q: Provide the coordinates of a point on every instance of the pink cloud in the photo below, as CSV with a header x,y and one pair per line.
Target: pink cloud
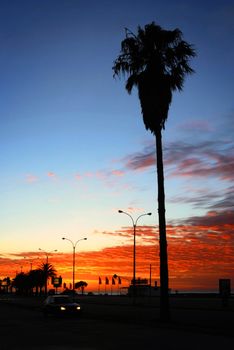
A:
x,y
51,174
141,162
182,159
78,176
205,164
88,174
101,175
197,125
31,178
117,172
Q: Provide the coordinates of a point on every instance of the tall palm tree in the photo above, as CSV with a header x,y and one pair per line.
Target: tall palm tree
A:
x,y
156,61
47,271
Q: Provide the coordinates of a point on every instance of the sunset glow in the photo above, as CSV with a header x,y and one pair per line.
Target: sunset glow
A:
x,y
198,257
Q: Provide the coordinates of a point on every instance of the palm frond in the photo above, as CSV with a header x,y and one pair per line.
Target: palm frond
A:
x,y
156,61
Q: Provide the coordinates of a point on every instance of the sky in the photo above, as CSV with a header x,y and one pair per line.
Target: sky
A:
x,y
74,149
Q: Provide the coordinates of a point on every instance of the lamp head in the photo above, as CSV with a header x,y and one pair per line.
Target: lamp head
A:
x,y
85,239
120,211
149,214
63,238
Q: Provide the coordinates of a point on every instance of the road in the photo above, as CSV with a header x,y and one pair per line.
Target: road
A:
x,y
26,329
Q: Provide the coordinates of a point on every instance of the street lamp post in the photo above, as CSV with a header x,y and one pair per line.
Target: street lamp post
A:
x,y
134,223
74,257
47,254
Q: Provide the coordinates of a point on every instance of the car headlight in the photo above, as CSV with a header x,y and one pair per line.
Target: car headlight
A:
x,y
62,308
78,308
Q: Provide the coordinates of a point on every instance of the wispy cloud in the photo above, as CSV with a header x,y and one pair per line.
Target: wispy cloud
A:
x,y
30,178
117,172
197,126
182,159
212,218
78,176
222,199
140,160
213,159
51,174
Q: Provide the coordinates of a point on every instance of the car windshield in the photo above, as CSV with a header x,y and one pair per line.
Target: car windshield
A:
x,y
62,300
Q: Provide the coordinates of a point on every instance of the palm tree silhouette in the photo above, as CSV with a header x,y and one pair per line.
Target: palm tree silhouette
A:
x,y
47,270
156,61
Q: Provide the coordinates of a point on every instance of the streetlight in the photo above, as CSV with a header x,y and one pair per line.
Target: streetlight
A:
x,y
74,254
47,253
134,223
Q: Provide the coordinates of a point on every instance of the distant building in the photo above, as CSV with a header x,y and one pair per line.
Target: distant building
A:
x,y
143,288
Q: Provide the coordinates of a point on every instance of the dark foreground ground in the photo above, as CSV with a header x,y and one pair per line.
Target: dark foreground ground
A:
x,y
112,322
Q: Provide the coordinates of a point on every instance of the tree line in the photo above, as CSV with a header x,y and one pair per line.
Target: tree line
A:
x,y
32,282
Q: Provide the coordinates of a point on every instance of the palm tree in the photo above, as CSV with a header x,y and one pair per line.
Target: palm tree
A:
x,y
81,285
47,271
156,61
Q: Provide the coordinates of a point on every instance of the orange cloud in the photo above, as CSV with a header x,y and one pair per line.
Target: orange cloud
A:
x,y
199,255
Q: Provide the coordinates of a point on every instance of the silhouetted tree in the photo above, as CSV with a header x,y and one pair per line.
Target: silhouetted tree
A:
x,y
156,61
47,271
81,285
37,281
20,283
6,283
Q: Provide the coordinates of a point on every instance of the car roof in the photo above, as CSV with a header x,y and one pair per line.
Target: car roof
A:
x,y
58,296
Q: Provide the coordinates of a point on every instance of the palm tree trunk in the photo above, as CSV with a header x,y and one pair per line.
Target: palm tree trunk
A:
x,y
46,285
164,296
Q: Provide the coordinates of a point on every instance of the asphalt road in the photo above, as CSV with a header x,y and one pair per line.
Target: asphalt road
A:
x,y
23,329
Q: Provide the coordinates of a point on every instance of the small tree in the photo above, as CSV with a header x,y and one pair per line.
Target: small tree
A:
x,y
36,280
20,283
81,285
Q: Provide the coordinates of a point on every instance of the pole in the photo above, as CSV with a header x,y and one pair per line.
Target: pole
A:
x,y
134,249
73,278
150,281
74,261
134,263
150,276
